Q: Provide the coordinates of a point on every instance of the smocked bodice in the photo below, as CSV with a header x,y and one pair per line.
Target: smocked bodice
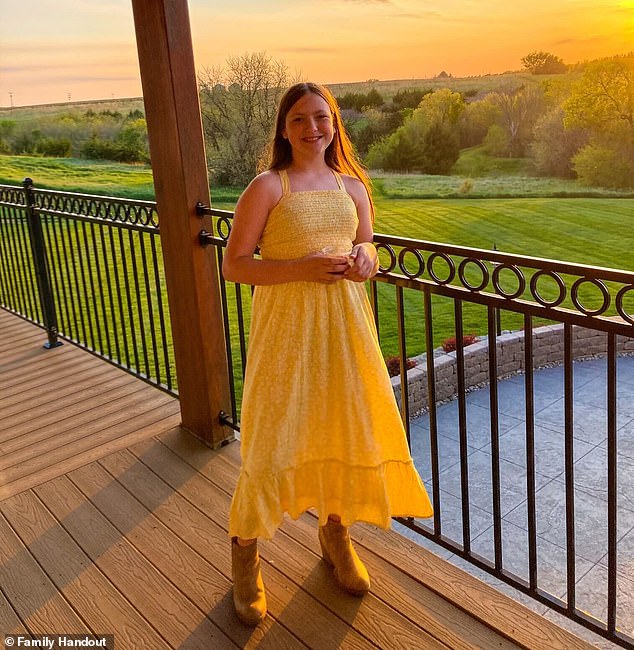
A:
x,y
308,222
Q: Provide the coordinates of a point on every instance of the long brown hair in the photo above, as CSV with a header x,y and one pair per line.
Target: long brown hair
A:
x,y
340,154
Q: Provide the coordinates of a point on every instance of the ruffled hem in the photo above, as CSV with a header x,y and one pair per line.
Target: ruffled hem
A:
x,y
370,494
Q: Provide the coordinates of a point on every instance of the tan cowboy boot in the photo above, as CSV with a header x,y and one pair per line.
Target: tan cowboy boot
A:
x,y
338,551
249,598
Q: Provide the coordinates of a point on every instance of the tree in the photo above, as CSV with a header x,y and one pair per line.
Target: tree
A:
x,y
555,145
518,112
603,99
360,102
238,105
604,167
409,97
371,127
54,147
602,102
7,128
543,63
475,121
427,141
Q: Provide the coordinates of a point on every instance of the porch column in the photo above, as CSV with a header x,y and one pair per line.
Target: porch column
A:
x,y
177,149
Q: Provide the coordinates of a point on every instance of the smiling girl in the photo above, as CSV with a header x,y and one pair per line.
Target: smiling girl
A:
x,y
320,427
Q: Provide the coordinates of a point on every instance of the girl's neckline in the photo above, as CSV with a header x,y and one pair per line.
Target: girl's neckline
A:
x,y
286,184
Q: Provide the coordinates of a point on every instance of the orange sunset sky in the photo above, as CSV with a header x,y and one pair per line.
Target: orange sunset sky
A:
x,y
51,50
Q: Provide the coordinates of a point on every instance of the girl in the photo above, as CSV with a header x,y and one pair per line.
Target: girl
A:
x,y
320,427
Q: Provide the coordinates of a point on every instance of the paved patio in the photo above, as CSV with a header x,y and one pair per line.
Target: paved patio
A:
x,y
590,440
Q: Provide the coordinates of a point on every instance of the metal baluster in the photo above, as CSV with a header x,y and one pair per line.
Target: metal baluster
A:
x,y
402,351
495,437
569,471
530,452
612,522
41,267
433,425
462,424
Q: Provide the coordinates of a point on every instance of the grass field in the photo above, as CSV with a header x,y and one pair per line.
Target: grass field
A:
x,y
481,84
91,177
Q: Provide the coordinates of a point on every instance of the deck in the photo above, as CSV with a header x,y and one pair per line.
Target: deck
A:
x,y
113,521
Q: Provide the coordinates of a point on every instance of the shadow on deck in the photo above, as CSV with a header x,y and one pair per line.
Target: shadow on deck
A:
x,y
114,521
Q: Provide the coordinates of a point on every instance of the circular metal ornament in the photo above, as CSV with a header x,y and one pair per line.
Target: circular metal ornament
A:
x,y
483,269
403,266
620,296
605,294
224,228
390,251
521,280
558,281
450,263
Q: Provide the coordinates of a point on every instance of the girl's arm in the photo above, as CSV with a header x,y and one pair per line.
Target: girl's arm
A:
x,y
251,214
366,260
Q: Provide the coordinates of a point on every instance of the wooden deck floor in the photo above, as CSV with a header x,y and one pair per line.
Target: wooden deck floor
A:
x,y
113,521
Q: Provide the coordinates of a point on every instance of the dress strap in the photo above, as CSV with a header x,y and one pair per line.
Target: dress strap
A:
x,y
286,186
339,180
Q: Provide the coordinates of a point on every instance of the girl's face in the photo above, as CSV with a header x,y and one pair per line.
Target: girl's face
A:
x,y
308,126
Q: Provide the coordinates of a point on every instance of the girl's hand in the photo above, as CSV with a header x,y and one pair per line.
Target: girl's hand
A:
x,y
365,263
318,267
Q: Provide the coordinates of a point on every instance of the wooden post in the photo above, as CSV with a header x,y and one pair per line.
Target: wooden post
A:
x,y
177,149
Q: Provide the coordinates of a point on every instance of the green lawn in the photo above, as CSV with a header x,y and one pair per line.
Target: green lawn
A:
x,y
91,177
584,231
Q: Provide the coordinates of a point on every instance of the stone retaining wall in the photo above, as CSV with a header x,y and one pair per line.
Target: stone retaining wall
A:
x,y
548,349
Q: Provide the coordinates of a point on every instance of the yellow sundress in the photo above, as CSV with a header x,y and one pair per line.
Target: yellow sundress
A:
x,y
320,427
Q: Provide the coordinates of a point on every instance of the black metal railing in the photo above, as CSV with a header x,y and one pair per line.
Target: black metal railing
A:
x,y
101,257
426,293
89,270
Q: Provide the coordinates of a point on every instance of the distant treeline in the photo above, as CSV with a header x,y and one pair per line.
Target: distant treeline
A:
x,y
102,135
570,125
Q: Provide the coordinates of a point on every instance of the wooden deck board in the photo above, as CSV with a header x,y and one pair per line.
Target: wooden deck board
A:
x,y
34,597
63,408
83,584
114,520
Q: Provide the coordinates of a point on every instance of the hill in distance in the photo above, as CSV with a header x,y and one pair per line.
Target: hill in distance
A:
x,y
481,84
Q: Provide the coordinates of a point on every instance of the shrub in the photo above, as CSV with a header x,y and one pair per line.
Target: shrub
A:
x,y
466,187
449,345
604,166
394,365
497,141
54,147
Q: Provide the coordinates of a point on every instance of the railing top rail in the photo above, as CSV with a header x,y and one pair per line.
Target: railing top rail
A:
x,y
91,207
77,195
12,195
96,197
499,257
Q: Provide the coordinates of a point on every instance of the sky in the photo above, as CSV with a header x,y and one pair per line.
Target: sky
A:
x,y
60,50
